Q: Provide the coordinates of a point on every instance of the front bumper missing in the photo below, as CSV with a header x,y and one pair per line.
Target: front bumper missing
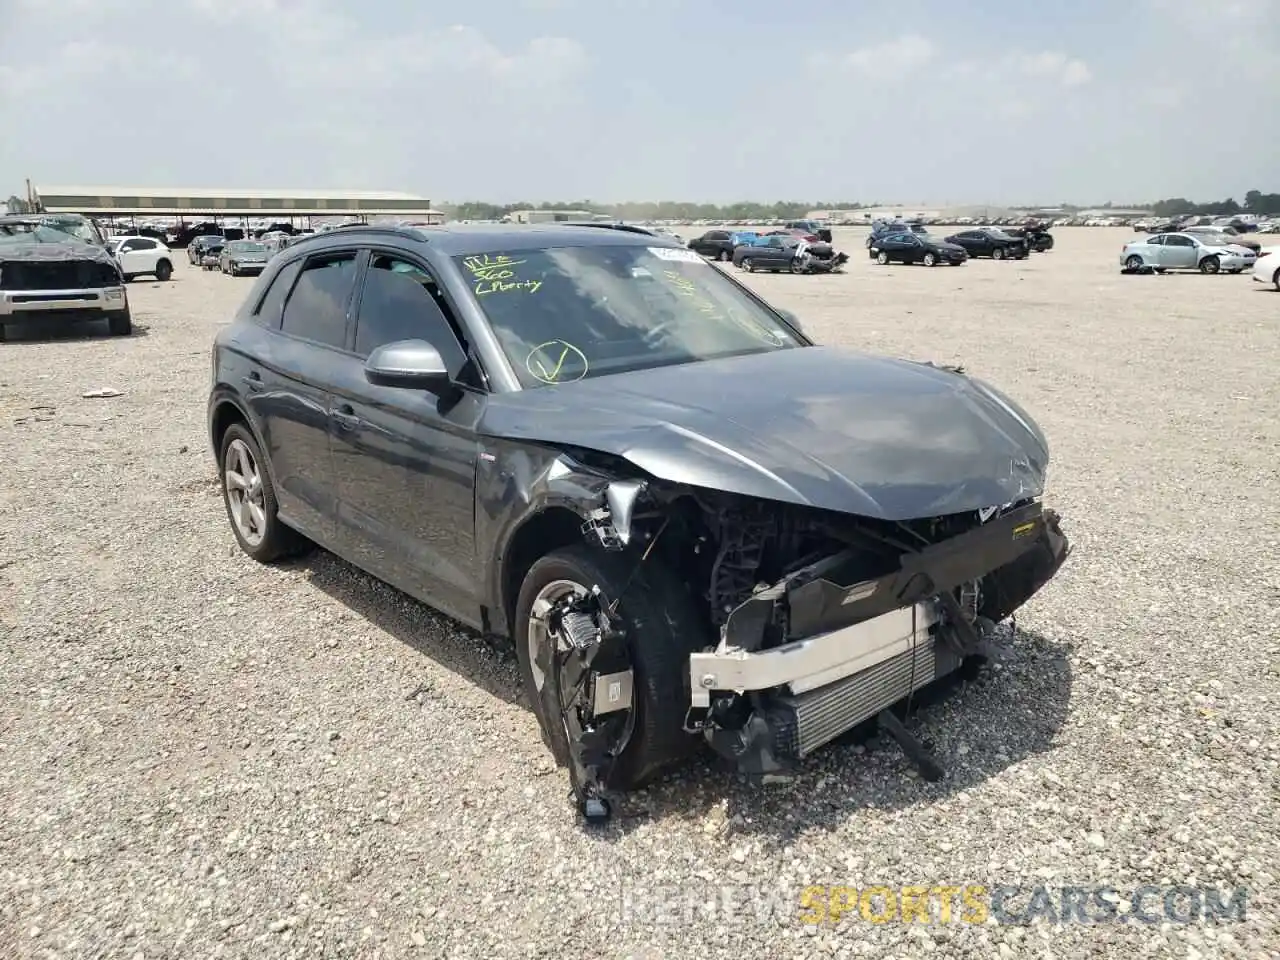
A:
x,y
766,708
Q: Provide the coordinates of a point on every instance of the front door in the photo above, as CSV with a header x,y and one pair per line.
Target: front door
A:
x,y
406,459
1178,252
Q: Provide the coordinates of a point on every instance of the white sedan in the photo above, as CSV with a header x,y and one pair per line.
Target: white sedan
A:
x,y
1185,251
142,255
1267,268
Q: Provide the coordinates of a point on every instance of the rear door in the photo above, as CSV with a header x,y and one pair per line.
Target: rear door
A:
x,y
406,459
309,304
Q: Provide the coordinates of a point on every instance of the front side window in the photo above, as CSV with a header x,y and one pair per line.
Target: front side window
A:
x,y
566,313
401,301
317,307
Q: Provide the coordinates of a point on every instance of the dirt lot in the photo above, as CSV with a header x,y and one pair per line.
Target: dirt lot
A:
x,y
203,757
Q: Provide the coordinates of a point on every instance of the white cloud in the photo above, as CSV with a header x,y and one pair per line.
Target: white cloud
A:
x,y
1054,65
903,53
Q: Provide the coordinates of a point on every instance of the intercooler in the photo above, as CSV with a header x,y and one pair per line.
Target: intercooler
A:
x,y
804,722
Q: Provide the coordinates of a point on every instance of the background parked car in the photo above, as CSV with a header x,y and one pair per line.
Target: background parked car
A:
x,y
141,256
776,253
990,242
1266,269
1225,235
197,247
811,228
883,228
1185,251
716,244
243,256
918,248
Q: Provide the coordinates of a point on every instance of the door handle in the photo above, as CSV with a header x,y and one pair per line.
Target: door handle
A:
x,y
253,381
345,417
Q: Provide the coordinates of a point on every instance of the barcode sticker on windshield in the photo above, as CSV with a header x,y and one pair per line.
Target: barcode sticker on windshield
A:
x,y
676,255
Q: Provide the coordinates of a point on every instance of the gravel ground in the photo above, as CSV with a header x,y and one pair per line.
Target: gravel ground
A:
x,y
202,757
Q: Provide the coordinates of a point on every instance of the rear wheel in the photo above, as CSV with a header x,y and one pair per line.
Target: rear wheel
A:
x,y
164,270
1210,265
882,258
250,498
725,256
1133,263
748,265
658,629
1275,280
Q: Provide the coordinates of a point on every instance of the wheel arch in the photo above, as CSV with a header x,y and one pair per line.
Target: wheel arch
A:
x,y
539,534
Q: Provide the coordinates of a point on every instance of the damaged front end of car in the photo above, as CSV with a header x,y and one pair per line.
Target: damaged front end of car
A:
x,y
815,620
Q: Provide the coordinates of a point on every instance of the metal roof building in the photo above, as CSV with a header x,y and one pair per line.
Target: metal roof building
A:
x,y
181,202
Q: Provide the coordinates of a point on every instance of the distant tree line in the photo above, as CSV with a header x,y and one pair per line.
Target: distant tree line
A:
x,y
1255,201
660,210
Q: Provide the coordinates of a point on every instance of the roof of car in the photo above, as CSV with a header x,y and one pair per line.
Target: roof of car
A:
x,y
466,239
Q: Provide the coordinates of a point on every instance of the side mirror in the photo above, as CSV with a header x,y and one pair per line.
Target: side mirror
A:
x,y
411,364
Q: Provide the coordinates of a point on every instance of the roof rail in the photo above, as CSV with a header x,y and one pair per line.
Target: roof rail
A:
x,y
408,233
625,227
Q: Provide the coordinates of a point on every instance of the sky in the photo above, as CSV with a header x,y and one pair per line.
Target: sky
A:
x,y
930,102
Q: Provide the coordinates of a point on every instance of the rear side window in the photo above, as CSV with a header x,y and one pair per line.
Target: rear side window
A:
x,y
317,306
272,303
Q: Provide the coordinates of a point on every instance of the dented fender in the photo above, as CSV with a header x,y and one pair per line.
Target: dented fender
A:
x,y
516,483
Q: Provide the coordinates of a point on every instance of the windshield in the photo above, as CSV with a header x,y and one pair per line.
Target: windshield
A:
x,y
29,233
75,226
566,313
248,246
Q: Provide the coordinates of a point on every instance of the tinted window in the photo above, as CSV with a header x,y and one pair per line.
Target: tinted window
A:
x,y
1156,241
717,235
401,301
272,302
133,245
1179,242
317,307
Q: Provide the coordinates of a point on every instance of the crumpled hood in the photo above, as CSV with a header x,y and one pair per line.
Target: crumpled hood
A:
x,y
816,426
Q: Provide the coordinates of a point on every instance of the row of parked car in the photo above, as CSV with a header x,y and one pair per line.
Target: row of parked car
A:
x,y
912,242
803,246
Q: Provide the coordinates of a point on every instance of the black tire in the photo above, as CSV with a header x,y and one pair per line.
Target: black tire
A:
x,y
120,324
997,253
748,265
1133,262
164,270
3,335
930,260
725,256
882,258
1275,281
277,541
127,277
1210,265
662,629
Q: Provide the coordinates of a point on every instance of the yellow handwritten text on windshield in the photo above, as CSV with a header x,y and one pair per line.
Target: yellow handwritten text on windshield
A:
x,y
687,288
498,273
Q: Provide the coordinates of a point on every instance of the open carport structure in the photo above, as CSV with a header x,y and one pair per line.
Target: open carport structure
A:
x,y
185,203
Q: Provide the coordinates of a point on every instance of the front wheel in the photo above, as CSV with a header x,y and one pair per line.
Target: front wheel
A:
x,y
1275,280
882,258
120,324
930,260
654,629
1210,265
997,254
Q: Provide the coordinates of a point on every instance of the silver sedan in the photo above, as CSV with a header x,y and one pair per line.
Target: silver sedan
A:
x,y
1185,251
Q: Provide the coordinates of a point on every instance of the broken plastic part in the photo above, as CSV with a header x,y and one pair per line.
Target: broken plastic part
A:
x,y
621,497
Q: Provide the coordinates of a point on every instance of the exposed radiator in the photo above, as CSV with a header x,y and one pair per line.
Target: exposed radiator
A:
x,y
806,721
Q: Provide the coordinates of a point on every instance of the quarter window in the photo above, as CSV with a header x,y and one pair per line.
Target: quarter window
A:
x,y
317,307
